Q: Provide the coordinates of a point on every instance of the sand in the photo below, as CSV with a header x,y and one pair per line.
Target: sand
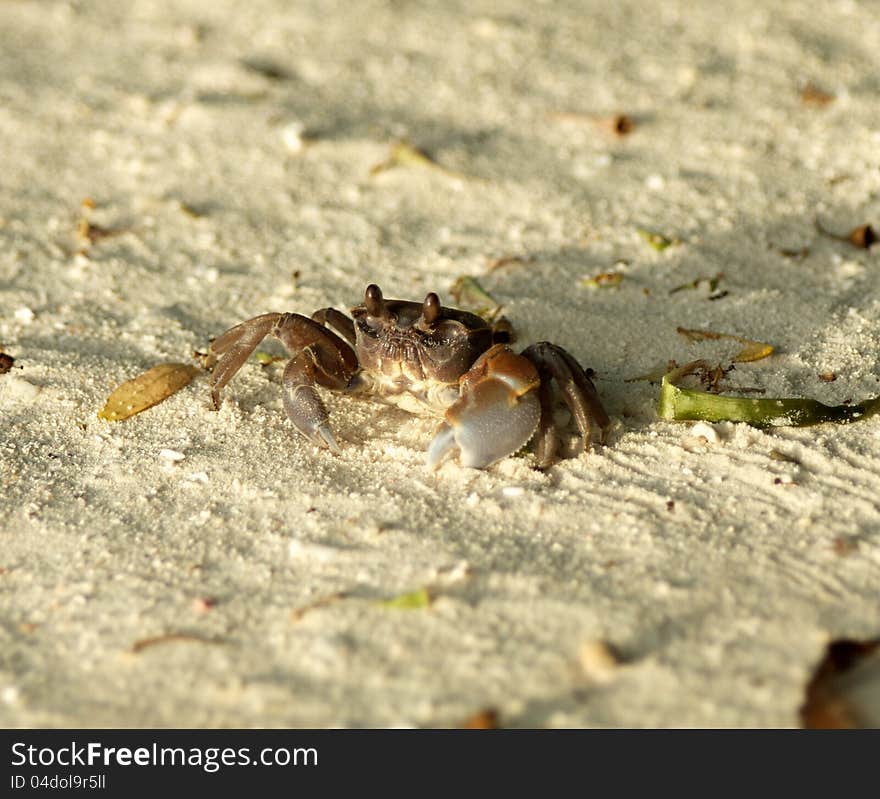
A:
x,y
199,569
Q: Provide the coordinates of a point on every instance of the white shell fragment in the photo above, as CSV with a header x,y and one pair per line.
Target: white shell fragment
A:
x,y
705,431
171,455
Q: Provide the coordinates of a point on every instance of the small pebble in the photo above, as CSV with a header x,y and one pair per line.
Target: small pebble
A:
x,y
25,315
598,661
292,135
171,455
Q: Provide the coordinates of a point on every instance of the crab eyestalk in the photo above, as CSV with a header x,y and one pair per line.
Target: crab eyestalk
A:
x,y
431,309
373,301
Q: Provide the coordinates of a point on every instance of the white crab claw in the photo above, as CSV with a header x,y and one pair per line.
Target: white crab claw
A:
x,y
495,415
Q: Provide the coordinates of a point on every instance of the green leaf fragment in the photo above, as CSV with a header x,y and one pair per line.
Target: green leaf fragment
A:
x,y
265,358
657,240
413,600
471,296
711,282
679,404
407,155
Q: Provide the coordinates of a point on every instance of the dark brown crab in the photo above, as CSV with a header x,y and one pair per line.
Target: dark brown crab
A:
x,y
425,358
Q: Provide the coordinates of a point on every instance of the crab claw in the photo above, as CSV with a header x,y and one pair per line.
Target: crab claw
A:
x,y
497,413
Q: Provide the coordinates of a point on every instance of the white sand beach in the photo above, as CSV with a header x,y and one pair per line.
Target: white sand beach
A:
x,y
170,169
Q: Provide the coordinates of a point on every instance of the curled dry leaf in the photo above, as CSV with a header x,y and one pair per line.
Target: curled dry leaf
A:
x,y
844,692
751,351
6,362
147,390
863,236
405,154
506,260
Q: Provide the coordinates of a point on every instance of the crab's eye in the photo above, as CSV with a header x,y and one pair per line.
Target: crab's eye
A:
x,y
373,301
431,309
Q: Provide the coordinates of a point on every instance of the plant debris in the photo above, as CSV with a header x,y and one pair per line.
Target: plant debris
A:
x,y
813,95
710,282
619,125
471,296
87,232
776,455
844,692
6,362
506,260
323,602
655,375
751,351
863,236
267,358
147,390
405,154
657,241
412,600
486,719
268,69
797,253
169,638
622,124
679,404
603,280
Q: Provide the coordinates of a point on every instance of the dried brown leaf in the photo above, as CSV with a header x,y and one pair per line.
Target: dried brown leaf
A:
x,y
169,638
751,351
147,390
813,95
485,719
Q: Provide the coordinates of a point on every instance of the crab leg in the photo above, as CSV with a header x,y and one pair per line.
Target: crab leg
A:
x,y
338,321
319,357
496,413
577,390
236,346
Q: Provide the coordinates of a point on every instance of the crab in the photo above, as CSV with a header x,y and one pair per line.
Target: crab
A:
x,y
425,358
